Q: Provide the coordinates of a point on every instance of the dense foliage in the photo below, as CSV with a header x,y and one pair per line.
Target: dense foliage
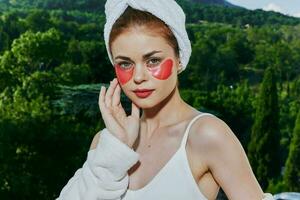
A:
x,y
265,134
291,177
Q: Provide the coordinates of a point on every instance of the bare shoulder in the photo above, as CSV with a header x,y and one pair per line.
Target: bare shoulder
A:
x,y
223,154
211,134
210,130
95,141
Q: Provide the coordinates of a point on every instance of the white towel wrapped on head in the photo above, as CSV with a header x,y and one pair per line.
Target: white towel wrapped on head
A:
x,y
166,10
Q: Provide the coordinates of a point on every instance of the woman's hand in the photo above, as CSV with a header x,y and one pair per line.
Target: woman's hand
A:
x,y
125,128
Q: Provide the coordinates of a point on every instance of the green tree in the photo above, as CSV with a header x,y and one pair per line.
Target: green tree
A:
x,y
71,74
29,99
4,40
39,51
263,148
10,73
38,20
12,25
292,166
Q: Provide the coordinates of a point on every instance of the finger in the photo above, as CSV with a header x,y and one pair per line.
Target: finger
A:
x,y
109,94
121,109
135,110
116,96
101,102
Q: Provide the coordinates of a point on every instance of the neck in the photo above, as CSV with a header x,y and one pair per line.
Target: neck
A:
x,y
167,112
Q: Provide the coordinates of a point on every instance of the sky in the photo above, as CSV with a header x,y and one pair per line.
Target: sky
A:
x,y
288,7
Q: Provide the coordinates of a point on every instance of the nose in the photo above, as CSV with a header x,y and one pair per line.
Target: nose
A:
x,y
140,73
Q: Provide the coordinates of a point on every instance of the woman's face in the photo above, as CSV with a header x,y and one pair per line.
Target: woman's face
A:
x,y
144,61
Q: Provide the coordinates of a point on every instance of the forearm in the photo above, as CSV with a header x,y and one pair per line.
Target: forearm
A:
x,y
104,173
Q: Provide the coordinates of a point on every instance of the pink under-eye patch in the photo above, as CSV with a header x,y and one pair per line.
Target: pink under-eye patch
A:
x,y
163,71
123,75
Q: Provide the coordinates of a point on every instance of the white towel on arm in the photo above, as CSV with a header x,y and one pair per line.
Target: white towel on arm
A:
x,y
268,196
167,10
104,173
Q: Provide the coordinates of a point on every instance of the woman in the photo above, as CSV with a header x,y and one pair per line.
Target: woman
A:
x,y
172,151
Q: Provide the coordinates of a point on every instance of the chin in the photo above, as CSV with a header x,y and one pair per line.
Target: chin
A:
x,y
144,103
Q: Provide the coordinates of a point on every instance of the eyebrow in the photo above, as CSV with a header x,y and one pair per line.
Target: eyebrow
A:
x,y
145,56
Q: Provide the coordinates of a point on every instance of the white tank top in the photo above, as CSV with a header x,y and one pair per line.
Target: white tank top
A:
x,y
174,181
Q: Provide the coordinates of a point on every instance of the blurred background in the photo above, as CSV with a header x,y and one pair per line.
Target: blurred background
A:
x,y
244,68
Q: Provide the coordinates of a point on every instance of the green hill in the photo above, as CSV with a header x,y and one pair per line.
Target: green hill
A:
x,y
207,10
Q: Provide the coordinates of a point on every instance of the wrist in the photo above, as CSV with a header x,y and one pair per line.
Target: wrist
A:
x,y
111,153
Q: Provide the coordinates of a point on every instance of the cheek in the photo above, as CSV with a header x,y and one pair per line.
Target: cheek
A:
x,y
163,71
123,75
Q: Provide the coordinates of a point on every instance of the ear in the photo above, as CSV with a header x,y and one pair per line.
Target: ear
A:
x,y
179,66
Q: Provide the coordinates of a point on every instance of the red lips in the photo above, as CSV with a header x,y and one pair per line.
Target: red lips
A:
x,y
143,93
142,90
